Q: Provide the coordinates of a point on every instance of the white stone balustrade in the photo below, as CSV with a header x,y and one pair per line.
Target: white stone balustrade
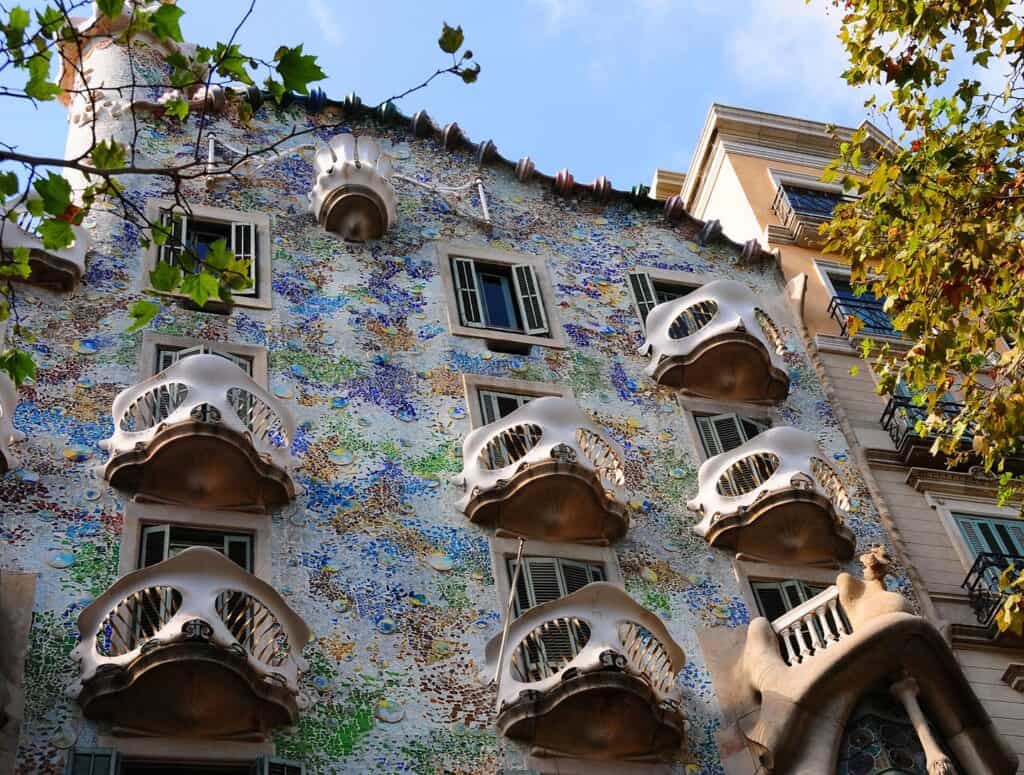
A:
x,y
780,472
201,396
546,462
717,342
352,194
811,627
51,267
8,434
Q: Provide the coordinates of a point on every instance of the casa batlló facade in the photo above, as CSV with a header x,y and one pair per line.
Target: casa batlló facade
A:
x,y
490,471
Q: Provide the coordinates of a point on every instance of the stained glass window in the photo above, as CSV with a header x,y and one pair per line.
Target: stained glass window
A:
x,y
880,740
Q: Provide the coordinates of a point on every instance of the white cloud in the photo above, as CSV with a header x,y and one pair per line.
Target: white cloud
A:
x,y
791,46
558,12
326,21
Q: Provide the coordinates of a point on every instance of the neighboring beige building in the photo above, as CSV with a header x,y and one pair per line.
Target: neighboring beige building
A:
x,y
759,175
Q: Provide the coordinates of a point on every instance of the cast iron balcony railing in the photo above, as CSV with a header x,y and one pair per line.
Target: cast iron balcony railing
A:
x,y
8,434
982,583
716,342
801,211
874,320
194,645
203,434
590,675
58,269
774,498
545,471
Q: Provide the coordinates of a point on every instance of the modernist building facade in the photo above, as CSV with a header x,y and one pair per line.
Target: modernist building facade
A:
x,y
490,471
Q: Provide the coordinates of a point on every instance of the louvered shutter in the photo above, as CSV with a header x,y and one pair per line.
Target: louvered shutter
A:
x,y
969,528
544,582
177,225
722,432
269,765
99,761
467,292
149,613
644,295
531,305
708,437
489,406
243,245
575,574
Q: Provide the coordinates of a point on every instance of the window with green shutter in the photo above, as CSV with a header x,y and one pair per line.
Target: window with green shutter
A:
x,y
502,297
991,534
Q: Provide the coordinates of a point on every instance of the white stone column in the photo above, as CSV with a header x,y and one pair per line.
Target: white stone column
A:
x,y
906,690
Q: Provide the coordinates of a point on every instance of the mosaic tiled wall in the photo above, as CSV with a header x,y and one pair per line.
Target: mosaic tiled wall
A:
x,y
397,586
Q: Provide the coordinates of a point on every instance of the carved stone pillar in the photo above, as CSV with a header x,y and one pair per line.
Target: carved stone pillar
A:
x,y
906,690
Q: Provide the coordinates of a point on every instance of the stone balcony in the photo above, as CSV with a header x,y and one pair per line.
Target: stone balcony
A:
x,y
591,675
192,646
8,434
774,499
352,194
716,342
201,434
789,691
545,471
56,269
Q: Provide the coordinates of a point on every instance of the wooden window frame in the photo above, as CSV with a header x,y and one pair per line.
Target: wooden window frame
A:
x,y
692,406
693,280
472,384
153,342
260,296
447,251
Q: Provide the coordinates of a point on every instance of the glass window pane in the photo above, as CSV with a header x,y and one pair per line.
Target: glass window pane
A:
x,y
499,306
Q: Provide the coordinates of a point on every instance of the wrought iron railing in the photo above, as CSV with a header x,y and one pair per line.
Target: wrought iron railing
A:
x,y
874,320
813,206
901,416
982,583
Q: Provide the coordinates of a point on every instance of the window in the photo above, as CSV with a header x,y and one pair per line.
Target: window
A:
x,y
495,405
497,296
774,598
543,579
490,398
197,234
108,762
246,234
650,291
169,354
501,297
847,303
161,542
814,202
721,432
991,534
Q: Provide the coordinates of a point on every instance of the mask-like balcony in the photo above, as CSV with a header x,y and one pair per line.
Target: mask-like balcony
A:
x,y
60,269
545,471
800,675
717,343
774,499
8,435
352,194
201,434
591,675
193,646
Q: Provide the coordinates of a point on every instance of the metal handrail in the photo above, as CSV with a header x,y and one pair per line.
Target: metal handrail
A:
x,y
982,583
901,415
874,319
787,212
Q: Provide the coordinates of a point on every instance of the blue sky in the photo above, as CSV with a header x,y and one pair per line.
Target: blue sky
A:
x,y
603,87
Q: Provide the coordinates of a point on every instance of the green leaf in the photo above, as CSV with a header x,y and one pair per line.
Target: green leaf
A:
x,y
297,70
110,8
18,18
451,39
8,184
165,277
218,255
200,287
55,193
18,265
56,234
141,312
176,108
108,155
277,91
231,62
470,74
164,22
19,365
39,85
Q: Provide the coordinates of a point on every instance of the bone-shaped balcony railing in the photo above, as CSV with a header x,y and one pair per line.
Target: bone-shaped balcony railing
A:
x,y
812,627
543,430
352,193
23,232
205,388
8,434
599,627
197,595
777,460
